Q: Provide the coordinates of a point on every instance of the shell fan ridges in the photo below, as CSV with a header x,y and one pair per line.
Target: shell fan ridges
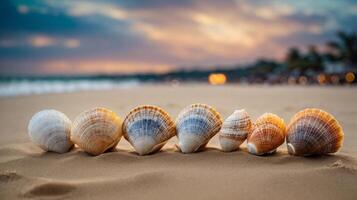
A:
x,y
268,134
96,130
235,130
196,125
312,132
147,128
50,129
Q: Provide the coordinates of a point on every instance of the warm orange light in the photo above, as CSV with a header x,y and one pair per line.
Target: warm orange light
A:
x,y
350,77
321,78
217,79
302,80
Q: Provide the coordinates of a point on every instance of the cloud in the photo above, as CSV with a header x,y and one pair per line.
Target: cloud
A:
x,y
41,41
91,66
41,19
72,43
90,8
23,9
160,35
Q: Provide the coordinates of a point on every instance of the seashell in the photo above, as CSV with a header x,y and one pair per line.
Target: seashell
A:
x,y
235,130
196,125
268,134
96,130
50,129
148,128
313,132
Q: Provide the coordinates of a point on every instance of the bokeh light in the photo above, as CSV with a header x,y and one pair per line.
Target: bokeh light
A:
x,y
217,79
322,79
350,77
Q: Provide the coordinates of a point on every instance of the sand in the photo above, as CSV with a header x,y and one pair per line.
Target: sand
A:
x,y
28,172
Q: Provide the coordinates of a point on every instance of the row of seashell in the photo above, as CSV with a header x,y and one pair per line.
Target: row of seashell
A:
x,y
147,128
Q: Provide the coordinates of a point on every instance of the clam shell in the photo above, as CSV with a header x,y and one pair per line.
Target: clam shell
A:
x,y
50,129
96,130
313,132
147,128
196,125
235,130
268,134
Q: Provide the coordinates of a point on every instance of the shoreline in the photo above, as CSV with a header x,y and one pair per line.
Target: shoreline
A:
x,y
23,90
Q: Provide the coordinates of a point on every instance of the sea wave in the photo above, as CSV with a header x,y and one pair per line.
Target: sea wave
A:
x,y
31,87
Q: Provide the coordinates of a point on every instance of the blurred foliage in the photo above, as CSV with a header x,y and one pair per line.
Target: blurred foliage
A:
x,y
302,63
344,49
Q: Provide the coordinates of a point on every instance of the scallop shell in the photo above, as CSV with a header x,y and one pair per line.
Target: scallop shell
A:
x,y
313,132
235,130
196,125
96,130
268,134
50,129
148,128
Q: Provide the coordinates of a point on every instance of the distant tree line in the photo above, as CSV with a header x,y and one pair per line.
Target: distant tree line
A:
x,y
308,67
342,50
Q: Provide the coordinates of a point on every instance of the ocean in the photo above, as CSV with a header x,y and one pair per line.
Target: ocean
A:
x,y
32,86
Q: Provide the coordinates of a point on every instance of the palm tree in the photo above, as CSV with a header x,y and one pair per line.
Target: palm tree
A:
x,y
293,55
344,49
293,58
311,62
314,59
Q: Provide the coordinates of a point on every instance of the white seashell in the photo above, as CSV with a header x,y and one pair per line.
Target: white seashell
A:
x,y
196,125
148,128
50,129
235,130
96,130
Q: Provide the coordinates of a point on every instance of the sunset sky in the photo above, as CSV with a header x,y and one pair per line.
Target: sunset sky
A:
x,y
87,37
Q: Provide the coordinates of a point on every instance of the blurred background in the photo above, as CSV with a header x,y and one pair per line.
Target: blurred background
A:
x,y
59,46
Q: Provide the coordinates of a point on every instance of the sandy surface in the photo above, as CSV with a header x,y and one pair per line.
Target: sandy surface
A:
x,y
28,172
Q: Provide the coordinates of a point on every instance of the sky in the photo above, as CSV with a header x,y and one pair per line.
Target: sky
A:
x,y
138,36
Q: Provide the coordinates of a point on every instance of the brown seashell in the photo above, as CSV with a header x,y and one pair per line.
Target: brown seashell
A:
x,y
235,130
96,130
312,132
268,134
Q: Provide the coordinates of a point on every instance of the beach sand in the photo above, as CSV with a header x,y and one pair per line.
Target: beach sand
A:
x,y
28,172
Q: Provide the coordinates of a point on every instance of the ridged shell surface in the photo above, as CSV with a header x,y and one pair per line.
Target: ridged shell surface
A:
x,y
96,130
235,130
196,125
313,132
147,128
50,129
268,134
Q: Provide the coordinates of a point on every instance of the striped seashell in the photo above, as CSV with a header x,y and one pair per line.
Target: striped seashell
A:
x,y
196,125
313,132
96,130
235,130
50,129
147,128
268,134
